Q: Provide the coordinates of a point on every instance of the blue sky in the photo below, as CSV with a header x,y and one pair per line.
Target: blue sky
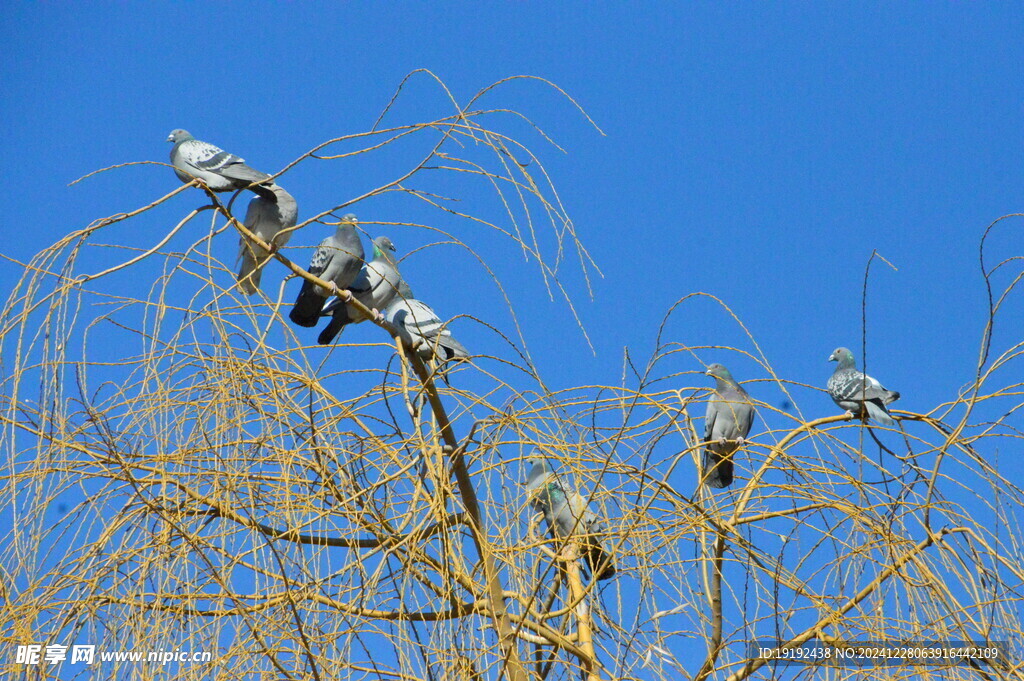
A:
x,y
752,151
756,152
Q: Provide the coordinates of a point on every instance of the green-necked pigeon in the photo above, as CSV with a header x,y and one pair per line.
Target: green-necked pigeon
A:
x,y
568,514
375,287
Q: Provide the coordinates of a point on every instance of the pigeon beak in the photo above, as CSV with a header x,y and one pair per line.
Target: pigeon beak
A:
x,y
170,138
832,357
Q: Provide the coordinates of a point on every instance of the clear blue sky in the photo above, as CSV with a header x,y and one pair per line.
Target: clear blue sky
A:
x,y
753,151
757,152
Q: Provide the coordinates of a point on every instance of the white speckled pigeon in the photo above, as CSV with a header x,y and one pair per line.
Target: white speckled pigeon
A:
x,y
220,170
419,327
857,392
266,219
375,287
727,423
568,514
337,259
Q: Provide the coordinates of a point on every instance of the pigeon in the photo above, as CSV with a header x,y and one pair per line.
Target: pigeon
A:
x,y
270,221
727,422
220,170
337,259
568,514
420,328
856,392
375,287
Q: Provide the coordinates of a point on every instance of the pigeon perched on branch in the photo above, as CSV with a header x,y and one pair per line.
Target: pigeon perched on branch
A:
x,y
375,287
220,170
419,327
337,260
568,515
856,392
271,221
727,423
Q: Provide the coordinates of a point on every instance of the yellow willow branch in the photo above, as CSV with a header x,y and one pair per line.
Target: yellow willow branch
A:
x,y
834,617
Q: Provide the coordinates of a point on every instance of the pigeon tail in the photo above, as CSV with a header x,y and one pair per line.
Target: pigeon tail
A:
x,y
452,349
339,320
249,274
879,413
307,307
241,172
264,191
600,563
717,469
447,358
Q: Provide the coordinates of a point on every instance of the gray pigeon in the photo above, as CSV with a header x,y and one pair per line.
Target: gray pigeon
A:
x,y
727,423
375,287
220,170
856,392
268,220
337,259
568,514
419,327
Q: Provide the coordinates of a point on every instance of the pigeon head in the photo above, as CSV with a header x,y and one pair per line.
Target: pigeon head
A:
x,y
382,244
719,371
538,466
179,135
350,217
843,356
